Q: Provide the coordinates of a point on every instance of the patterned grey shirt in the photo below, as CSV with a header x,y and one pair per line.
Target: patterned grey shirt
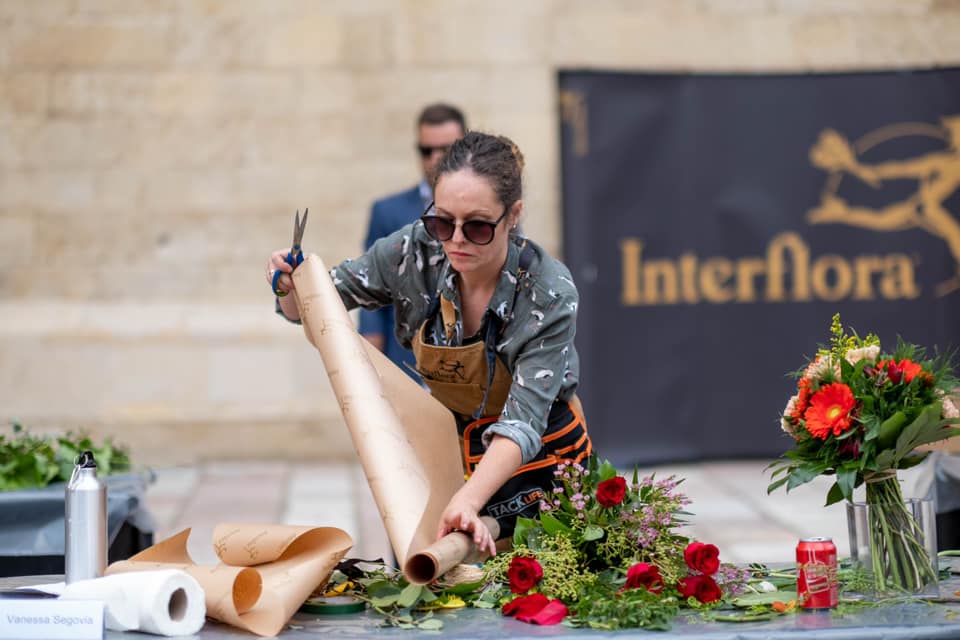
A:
x,y
537,314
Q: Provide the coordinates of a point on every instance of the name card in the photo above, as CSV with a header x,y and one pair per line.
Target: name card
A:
x,y
50,619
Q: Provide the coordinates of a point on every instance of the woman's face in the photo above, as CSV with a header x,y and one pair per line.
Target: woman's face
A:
x,y
463,196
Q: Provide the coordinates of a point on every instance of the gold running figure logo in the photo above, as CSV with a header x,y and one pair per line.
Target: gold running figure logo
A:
x,y
937,174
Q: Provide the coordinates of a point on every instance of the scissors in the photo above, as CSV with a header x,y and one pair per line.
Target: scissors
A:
x,y
295,256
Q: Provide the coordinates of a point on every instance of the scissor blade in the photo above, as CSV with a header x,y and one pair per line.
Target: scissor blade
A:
x,y
299,226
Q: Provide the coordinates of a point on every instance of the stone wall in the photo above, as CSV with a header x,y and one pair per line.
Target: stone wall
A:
x,y
152,153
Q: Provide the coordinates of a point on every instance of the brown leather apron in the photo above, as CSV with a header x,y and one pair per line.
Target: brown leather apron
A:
x,y
462,380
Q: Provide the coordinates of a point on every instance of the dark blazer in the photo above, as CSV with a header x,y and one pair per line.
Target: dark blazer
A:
x,y
388,215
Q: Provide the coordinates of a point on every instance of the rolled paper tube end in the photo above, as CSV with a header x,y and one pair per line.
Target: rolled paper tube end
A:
x,y
421,568
444,554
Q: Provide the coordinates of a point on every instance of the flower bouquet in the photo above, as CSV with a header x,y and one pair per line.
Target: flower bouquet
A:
x,y
604,553
860,415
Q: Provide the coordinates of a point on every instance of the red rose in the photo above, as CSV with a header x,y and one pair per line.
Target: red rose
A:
x,y
703,588
525,605
610,492
701,557
644,575
524,574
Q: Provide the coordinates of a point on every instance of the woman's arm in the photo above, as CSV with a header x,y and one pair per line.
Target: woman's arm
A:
x,y
500,461
370,281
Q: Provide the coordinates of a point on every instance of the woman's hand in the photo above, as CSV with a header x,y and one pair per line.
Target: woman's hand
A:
x,y
277,262
462,515
500,460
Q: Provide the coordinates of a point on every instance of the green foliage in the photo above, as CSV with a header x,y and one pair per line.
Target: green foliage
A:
x,y
603,606
34,461
405,605
564,575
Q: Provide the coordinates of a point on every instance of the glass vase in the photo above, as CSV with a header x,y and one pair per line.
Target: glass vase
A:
x,y
893,543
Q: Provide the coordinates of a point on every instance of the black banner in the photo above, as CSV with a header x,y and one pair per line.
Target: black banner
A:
x,y
715,223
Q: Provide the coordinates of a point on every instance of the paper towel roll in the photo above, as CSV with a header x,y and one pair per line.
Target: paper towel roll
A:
x,y
166,603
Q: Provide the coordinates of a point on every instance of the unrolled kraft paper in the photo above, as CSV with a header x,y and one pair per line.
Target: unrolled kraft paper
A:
x,y
166,603
406,439
267,571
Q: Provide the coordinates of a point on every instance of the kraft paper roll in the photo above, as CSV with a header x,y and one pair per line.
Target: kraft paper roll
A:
x,y
429,564
405,439
165,603
267,571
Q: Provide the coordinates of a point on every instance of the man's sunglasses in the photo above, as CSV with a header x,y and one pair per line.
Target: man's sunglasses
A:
x,y
426,151
476,231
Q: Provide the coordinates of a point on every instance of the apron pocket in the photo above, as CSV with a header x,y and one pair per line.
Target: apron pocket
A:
x,y
460,397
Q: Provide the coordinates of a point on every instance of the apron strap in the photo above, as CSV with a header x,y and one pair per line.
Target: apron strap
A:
x,y
449,315
490,348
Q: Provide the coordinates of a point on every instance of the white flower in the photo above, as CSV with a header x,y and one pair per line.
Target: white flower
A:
x,y
788,411
950,411
870,353
766,587
819,367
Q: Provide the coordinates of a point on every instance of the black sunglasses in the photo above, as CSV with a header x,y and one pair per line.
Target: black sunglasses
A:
x,y
426,150
476,231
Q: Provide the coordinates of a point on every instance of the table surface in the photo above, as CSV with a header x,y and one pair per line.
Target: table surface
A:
x,y
907,620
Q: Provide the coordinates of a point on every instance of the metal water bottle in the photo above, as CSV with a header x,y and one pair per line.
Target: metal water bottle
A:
x,y
85,533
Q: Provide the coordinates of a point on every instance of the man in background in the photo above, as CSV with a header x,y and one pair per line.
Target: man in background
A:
x,y
438,126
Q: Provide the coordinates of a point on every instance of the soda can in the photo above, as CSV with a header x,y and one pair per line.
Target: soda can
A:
x,y
817,584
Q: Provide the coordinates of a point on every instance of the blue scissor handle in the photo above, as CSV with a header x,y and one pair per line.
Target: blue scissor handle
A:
x,y
295,255
293,262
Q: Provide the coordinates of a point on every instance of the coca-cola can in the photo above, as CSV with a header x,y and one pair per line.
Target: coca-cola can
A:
x,y
817,584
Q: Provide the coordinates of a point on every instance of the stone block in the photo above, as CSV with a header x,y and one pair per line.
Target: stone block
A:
x,y
826,42
16,240
211,93
127,8
892,41
304,41
471,35
24,93
858,7
88,45
51,9
367,41
61,143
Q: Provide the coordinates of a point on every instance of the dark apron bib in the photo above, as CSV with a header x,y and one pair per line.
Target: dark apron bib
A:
x,y
462,380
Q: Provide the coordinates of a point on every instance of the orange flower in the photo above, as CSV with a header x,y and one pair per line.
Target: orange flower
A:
x,y
905,370
910,370
803,399
829,410
783,607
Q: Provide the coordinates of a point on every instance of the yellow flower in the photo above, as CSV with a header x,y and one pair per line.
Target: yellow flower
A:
x,y
339,589
445,602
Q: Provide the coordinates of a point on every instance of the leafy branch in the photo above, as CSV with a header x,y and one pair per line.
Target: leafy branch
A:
x,y
34,461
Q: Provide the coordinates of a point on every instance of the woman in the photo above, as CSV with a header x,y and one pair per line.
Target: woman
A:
x,y
490,318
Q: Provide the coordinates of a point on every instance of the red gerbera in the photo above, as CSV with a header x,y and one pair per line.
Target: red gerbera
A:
x,y
829,410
